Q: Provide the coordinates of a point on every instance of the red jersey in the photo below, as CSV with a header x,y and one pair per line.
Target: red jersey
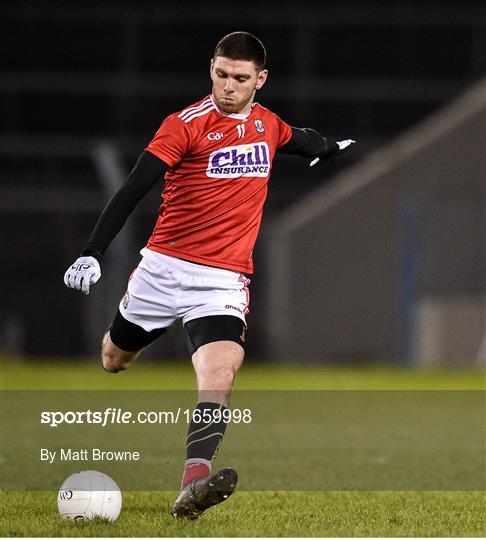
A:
x,y
216,184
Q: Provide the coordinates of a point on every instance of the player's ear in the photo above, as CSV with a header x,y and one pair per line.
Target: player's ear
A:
x,y
261,79
211,64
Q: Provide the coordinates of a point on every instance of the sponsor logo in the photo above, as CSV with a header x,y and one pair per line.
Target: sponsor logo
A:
x,y
259,126
213,136
229,306
241,160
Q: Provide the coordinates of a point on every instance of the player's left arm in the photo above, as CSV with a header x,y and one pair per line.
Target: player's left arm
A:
x,y
307,142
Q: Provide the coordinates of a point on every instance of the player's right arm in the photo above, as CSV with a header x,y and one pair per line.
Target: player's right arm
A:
x,y
85,271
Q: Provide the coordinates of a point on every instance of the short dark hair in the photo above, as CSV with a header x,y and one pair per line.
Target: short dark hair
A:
x,y
242,46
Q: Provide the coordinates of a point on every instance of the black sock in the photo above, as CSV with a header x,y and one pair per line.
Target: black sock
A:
x,y
206,431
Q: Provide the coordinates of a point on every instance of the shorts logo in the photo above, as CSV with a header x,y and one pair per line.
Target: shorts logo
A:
x,y
125,300
213,136
241,160
259,126
229,306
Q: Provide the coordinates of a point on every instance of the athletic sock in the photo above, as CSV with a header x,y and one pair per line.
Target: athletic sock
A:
x,y
204,437
195,468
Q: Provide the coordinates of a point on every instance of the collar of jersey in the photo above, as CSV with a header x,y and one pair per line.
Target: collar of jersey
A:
x,y
236,116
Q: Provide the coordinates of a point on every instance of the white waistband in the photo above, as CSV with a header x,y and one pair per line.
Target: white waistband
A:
x,y
187,267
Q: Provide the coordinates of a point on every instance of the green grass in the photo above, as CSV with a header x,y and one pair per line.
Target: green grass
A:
x,y
270,513
87,374
263,514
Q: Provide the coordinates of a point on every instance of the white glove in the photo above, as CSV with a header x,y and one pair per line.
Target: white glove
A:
x,y
344,144
83,273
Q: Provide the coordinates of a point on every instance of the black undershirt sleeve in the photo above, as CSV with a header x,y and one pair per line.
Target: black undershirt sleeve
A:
x,y
307,142
147,171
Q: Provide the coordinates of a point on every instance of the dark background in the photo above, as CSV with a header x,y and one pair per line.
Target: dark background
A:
x,y
75,74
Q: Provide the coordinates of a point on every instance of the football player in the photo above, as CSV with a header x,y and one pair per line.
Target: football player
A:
x,y
215,156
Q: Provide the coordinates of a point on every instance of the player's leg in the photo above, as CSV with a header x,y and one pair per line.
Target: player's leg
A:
x,y
124,342
144,314
216,343
217,346
114,359
216,365
212,303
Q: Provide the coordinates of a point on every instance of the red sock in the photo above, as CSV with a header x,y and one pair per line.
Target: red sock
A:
x,y
195,468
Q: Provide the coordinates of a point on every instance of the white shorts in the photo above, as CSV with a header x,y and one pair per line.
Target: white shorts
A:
x,y
163,289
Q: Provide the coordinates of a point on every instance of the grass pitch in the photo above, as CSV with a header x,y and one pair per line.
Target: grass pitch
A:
x,y
263,514
251,513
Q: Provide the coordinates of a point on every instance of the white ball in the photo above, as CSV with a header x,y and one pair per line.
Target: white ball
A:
x,y
89,494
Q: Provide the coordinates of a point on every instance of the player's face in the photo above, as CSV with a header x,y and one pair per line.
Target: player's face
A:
x,y
235,83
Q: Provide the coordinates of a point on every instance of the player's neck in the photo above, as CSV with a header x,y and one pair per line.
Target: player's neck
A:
x,y
240,115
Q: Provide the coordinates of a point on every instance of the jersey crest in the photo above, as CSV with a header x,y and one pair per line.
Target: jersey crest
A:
x,y
259,126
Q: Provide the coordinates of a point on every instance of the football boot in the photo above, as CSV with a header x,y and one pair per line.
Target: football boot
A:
x,y
202,493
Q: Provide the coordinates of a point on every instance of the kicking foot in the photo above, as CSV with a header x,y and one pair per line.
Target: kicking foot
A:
x,y
202,493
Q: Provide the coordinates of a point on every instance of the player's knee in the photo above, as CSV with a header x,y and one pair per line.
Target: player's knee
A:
x,y
224,376
217,363
108,365
218,376
113,364
230,368
113,359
